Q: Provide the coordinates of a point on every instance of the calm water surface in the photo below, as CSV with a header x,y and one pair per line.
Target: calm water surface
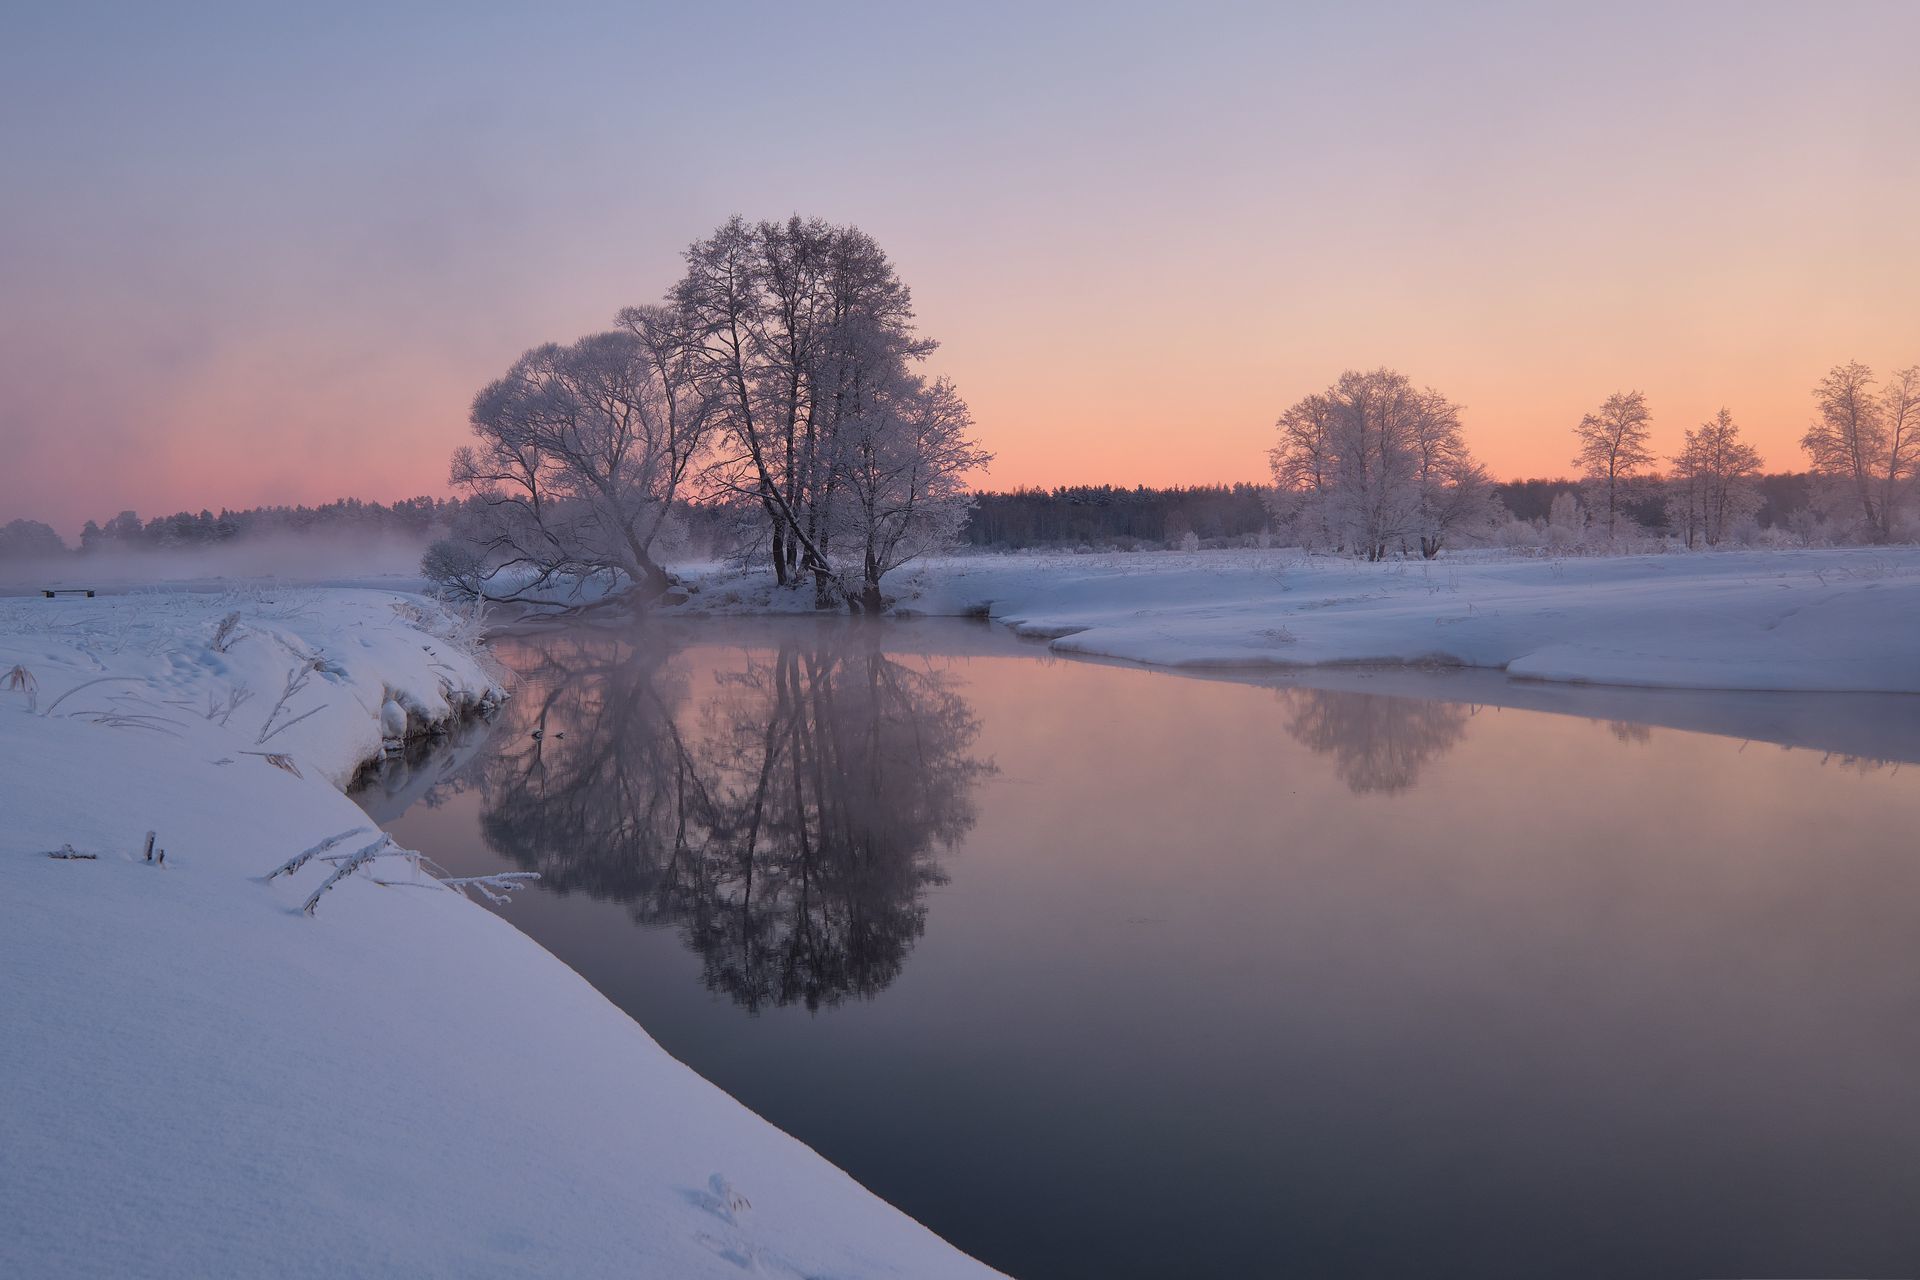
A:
x,y
1106,972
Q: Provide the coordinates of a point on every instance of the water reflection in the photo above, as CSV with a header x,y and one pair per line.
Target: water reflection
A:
x,y
788,819
1379,743
1182,1011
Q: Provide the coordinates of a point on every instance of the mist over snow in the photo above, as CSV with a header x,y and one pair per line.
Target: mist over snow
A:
x,y
285,557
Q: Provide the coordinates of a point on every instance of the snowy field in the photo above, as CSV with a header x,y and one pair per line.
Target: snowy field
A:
x,y
202,1079
1842,620
1827,621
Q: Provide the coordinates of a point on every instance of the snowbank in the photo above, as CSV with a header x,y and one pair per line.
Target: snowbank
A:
x,y
202,1080
1827,621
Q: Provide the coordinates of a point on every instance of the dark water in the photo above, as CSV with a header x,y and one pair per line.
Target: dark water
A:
x,y
1105,972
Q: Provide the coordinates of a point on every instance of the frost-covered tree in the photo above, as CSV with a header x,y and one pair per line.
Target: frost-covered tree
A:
x,y
123,530
899,466
581,451
1864,446
778,375
24,539
1715,481
1615,443
1566,523
803,338
1455,491
1374,462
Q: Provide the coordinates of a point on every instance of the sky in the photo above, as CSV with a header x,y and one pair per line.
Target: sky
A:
x,y
264,254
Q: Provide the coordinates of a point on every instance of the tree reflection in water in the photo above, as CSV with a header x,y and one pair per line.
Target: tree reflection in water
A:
x,y
1379,743
789,820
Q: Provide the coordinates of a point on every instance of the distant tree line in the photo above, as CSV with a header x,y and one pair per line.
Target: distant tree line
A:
x,y
1095,516
409,517
1105,516
1785,499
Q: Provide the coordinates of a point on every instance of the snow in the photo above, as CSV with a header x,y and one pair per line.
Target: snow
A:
x,y
1825,621
202,1080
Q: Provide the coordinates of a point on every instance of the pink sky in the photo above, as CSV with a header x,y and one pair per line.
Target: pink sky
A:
x,y
1138,236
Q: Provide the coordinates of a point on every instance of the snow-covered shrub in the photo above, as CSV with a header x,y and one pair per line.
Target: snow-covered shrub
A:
x,y
1566,525
1517,535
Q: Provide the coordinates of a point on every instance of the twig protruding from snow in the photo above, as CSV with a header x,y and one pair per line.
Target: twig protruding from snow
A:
x,y
296,681
497,888
20,680
87,684
221,709
225,633
360,858
301,859
279,760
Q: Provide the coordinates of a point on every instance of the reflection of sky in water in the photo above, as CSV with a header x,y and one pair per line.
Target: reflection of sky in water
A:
x,y
1233,980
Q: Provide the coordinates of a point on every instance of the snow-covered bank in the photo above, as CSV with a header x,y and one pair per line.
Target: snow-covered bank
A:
x,y
1831,621
202,1080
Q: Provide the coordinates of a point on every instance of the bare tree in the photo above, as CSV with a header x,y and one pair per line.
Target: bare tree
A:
x,y
582,450
1866,446
797,327
1373,462
1455,490
900,469
1715,481
1614,446
1900,410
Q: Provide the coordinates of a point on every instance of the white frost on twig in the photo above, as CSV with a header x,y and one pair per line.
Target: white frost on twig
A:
x,y
300,860
296,681
360,858
497,888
